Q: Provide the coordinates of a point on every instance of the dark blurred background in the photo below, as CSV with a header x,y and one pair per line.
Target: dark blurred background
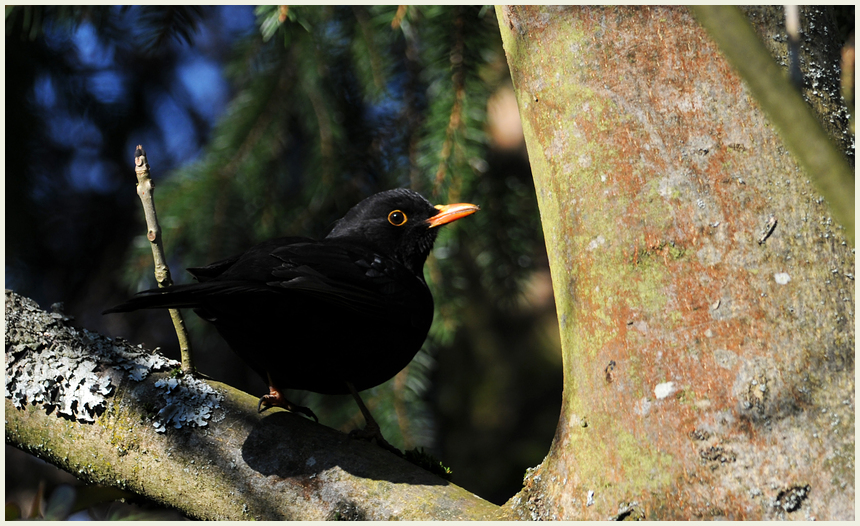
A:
x,y
274,121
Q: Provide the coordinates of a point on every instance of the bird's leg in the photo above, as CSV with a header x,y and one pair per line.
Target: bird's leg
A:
x,y
276,398
371,428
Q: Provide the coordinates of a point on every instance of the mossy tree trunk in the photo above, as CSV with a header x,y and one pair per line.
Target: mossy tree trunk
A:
x,y
705,297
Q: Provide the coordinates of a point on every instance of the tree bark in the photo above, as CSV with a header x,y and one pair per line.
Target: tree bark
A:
x,y
119,415
705,296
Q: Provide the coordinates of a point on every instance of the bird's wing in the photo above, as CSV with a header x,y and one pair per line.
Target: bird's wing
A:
x,y
193,295
254,261
351,276
335,273
213,270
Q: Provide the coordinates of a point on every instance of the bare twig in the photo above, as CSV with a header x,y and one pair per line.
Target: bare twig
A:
x,y
145,190
847,79
399,16
792,28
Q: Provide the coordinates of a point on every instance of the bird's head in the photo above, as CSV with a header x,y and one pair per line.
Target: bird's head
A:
x,y
399,223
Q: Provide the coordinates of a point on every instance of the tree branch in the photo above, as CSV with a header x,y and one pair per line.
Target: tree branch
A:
x,y
115,414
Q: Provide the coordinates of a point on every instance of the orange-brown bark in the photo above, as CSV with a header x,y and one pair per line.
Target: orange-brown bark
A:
x,y
705,297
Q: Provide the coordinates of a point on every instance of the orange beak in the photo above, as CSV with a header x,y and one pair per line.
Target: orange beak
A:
x,y
448,213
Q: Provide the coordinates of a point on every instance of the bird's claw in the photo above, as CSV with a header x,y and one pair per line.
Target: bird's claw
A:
x,y
305,411
276,399
264,403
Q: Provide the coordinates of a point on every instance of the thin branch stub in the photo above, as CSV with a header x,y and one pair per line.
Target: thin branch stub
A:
x,y
145,188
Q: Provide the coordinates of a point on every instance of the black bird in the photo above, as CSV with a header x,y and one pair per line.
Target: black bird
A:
x,y
334,316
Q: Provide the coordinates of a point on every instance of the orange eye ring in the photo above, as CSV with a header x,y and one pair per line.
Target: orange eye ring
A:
x,y
397,218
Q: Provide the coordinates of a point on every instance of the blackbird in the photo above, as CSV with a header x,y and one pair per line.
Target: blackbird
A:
x,y
334,316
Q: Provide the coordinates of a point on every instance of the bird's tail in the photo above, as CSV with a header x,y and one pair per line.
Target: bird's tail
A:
x,y
175,297
191,296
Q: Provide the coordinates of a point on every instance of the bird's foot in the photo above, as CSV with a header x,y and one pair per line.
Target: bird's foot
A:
x,y
276,399
371,429
371,432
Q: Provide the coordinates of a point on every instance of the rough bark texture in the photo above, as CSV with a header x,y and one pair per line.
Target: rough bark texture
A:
x,y
819,60
705,297
101,410
798,126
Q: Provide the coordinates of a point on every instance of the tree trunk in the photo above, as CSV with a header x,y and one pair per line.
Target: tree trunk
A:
x,y
705,297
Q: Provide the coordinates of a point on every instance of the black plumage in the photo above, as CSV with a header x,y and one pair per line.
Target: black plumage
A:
x,y
333,316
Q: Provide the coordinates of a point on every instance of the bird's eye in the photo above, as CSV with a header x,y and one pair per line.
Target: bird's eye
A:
x,y
397,218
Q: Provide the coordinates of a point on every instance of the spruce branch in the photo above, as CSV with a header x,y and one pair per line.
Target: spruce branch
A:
x,y
367,33
145,190
455,120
